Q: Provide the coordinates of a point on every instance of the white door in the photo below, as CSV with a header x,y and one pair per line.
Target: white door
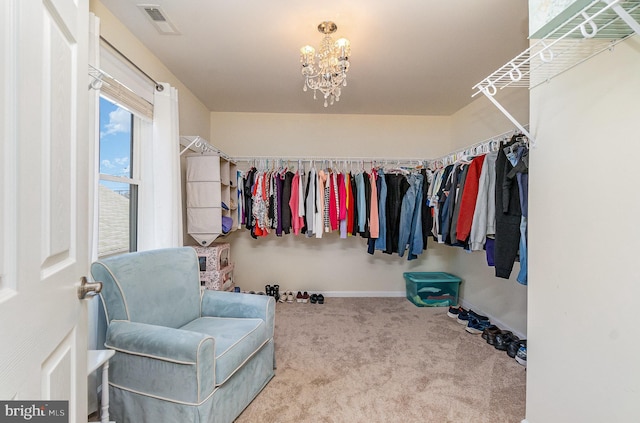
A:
x,y
44,201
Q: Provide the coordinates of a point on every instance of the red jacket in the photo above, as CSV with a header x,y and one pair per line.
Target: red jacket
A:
x,y
468,200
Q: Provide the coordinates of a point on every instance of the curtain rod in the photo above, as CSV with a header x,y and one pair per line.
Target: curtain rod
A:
x,y
159,86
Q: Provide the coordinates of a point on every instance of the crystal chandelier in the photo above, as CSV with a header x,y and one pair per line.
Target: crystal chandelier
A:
x,y
327,70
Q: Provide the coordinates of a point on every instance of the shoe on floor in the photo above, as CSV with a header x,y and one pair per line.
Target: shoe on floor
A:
x,y
305,297
476,326
320,299
454,311
514,347
491,336
504,339
521,356
313,299
464,316
289,297
492,330
299,297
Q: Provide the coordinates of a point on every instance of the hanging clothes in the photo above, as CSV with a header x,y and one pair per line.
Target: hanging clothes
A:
x,y
342,205
381,186
484,218
294,204
333,200
410,231
367,205
462,180
469,199
320,189
301,204
397,186
310,202
508,215
259,198
374,223
446,215
521,172
351,212
426,214
240,197
362,216
279,183
286,198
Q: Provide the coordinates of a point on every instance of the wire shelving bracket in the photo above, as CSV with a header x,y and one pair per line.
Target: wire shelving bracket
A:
x,y
598,25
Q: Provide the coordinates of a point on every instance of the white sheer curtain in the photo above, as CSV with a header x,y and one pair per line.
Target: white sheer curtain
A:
x,y
93,306
160,201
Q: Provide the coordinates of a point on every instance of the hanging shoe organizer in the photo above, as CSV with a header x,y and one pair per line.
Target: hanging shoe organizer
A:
x,y
583,30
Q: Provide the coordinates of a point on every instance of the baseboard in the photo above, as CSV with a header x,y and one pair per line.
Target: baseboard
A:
x,y
364,293
524,421
494,320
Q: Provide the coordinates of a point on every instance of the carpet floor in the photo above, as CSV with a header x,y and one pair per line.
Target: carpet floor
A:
x,y
385,360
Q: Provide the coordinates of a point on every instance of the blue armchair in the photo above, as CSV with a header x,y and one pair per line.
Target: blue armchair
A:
x,y
182,354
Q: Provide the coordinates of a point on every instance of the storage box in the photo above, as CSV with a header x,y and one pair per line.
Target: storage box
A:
x,y
218,280
215,257
432,289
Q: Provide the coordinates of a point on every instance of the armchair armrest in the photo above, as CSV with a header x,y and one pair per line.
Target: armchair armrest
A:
x,y
233,304
161,361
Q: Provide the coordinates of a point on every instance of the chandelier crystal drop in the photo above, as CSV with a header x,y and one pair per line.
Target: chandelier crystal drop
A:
x,y
327,69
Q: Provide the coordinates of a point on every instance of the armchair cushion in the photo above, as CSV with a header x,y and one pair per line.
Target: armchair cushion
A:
x,y
162,362
231,304
237,340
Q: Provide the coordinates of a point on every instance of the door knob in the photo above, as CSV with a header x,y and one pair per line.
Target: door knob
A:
x,y
88,288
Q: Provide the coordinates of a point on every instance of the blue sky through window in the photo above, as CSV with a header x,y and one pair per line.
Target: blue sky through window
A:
x,y
115,141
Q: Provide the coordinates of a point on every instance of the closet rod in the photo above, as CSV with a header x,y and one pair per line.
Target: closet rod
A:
x,y
326,158
159,86
469,150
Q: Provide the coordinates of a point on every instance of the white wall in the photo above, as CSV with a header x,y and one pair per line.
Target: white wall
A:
x,y
269,134
584,289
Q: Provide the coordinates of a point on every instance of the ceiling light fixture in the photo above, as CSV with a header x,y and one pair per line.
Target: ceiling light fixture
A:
x,y
327,70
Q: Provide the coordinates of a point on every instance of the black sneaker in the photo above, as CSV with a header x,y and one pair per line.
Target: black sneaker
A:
x,y
504,339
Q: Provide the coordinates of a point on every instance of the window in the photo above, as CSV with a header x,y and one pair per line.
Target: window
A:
x,y
118,187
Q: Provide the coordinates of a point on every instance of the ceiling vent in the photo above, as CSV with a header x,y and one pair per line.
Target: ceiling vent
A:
x,y
158,18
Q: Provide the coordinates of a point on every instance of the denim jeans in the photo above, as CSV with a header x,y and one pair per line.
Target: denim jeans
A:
x,y
522,276
411,218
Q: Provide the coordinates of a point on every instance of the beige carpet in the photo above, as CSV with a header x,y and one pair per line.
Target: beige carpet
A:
x,y
384,360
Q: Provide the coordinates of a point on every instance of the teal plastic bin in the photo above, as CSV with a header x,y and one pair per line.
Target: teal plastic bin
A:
x,y
432,289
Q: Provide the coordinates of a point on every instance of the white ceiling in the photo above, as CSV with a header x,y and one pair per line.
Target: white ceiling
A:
x,y
408,57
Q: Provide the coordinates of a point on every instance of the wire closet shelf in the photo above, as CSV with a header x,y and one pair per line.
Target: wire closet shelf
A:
x,y
593,26
597,27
